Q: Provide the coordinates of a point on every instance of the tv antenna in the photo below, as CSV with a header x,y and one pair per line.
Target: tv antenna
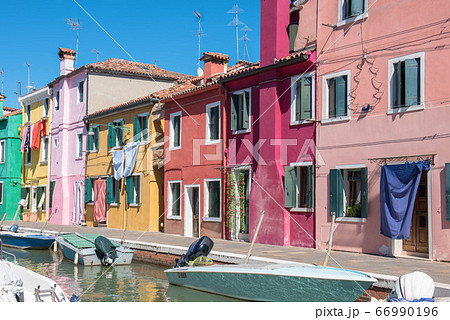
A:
x,y
75,24
246,29
29,86
2,73
95,51
200,34
236,23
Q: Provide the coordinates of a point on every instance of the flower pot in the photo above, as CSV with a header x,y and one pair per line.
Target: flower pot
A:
x,y
33,217
25,217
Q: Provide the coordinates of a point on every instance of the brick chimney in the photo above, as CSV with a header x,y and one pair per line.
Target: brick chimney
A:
x,y
214,63
66,58
275,18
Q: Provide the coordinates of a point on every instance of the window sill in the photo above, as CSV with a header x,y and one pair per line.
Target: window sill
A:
x,y
44,117
174,148
78,158
134,205
350,219
92,151
393,110
90,203
352,19
143,143
212,141
242,131
26,123
27,165
173,218
297,123
44,162
301,210
114,204
208,219
336,119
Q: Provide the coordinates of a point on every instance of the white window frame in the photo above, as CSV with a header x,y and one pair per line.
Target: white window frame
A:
x,y
80,98
2,151
146,114
34,199
79,145
44,157
208,120
171,130
1,192
134,204
325,96
391,71
115,183
170,200
57,99
45,107
241,92
206,201
93,134
92,202
342,21
298,165
28,204
350,167
45,197
116,124
27,113
26,162
294,80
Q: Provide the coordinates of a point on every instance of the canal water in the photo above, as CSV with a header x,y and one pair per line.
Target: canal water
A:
x,y
138,282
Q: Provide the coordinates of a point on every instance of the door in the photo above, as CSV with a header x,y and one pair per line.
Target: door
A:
x,y
191,211
242,216
34,200
418,238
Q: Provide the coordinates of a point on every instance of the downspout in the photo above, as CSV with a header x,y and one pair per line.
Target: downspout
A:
x,y
50,106
86,122
225,158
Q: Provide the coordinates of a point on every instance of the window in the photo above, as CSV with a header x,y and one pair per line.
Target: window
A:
x,y
299,186
57,100
80,91
45,109
336,97
28,157
212,199
55,143
348,192
115,134
133,188
41,198
50,196
27,113
406,83
174,199
25,195
141,128
89,190
240,111
175,130
352,10
93,138
1,192
44,155
302,99
213,122
2,151
79,145
113,188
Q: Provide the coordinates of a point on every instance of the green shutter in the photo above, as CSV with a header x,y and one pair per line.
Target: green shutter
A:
x,y
91,139
293,30
412,82
447,190
298,94
96,137
137,129
340,96
111,135
23,193
87,190
39,192
246,110
138,189
305,96
52,188
364,193
145,128
121,133
290,187
357,7
345,9
336,192
109,190
310,187
130,190
234,105
398,78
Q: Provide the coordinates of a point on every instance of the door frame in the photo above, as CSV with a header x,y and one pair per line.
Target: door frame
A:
x,y
248,168
188,225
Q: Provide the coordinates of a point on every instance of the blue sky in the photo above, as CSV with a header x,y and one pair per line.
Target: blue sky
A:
x,y
162,31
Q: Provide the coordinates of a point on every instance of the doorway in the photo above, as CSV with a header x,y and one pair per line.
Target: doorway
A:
x,y
240,230
192,211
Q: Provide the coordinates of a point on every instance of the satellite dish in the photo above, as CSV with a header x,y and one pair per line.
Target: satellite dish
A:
x,y
199,72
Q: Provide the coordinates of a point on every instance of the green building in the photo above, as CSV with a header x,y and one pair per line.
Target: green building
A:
x,y
10,160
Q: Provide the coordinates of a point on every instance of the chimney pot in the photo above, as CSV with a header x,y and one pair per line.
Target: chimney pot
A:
x,y
214,63
66,57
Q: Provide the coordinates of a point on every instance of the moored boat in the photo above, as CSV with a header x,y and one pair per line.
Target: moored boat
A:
x,y
26,240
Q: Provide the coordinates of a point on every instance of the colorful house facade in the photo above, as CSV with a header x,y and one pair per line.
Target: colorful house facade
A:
x,y
10,161
382,104
36,110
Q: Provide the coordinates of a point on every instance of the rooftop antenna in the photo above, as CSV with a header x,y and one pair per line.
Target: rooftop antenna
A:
x,y
17,99
97,52
29,86
200,34
2,73
75,24
246,29
235,23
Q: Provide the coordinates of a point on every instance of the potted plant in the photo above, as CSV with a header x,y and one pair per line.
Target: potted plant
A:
x,y
355,210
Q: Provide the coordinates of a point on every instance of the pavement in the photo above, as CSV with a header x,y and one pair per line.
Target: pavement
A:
x,y
385,269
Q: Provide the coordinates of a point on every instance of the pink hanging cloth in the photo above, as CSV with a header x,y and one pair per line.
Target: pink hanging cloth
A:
x,y
100,200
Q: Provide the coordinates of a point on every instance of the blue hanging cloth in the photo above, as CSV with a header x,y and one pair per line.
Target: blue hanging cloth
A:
x,y
398,189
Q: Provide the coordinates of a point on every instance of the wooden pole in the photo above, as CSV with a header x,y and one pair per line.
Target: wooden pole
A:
x,y
48,218
330,241
3,219
254,237
18,208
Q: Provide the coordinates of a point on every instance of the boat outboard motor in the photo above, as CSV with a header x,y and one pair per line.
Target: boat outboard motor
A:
x,y
413,287
201,247
105,250
14,228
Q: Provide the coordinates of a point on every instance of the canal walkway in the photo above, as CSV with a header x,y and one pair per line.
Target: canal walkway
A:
x,y
385,269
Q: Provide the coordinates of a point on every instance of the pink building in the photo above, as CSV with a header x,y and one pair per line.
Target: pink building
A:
x,y
381,100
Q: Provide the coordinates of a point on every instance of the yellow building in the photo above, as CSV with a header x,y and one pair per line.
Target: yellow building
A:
x,y
36,160
135,202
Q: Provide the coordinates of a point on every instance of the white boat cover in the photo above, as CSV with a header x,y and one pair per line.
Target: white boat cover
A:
x,y
10,283
413,286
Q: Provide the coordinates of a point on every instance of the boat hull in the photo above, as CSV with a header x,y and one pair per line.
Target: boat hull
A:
x,y
275,282
26,241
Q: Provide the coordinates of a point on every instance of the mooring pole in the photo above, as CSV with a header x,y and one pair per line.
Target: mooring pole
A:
x,y
254,237
330,241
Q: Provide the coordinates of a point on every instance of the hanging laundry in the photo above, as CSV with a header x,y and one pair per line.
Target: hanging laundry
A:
x,y
36,135
131,150
78,204
100,200
24,138
44,128
118,157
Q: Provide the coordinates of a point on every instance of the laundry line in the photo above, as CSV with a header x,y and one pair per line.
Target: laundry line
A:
x,y
127,129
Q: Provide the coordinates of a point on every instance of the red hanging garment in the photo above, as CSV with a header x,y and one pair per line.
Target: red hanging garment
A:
x,y
100,200
36,135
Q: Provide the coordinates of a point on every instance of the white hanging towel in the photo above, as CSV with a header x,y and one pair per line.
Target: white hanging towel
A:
x,y
131,150
77,202
118,157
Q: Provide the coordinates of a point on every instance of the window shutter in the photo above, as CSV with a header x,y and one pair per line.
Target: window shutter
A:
x,y
298,104
447,190
214,123
412,82
87,190
23,193
357,7
109,190
293,30
234,104
305,96
137,129
111,135
38,195
398,78
364,193
310,187
121,133
96,137
340,95
336,192
214,190
177,131
176,199
345,9
130,190
52,188
290,187
145,128
91,139
138,189
246,111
